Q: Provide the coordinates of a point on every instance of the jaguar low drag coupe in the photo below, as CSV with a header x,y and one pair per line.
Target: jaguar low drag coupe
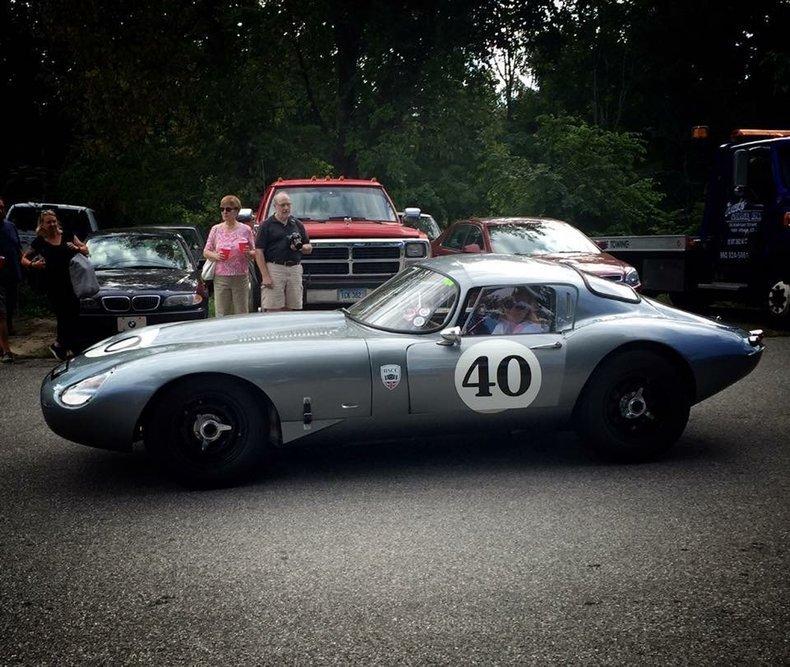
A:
x,y
452,343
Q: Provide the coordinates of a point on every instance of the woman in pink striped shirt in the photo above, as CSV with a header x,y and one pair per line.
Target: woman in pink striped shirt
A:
x,y
230,244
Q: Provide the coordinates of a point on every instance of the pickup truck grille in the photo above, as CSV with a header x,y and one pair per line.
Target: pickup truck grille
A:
x,y
379,259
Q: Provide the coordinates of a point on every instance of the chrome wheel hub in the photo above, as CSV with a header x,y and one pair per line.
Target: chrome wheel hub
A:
x,y
632,405
208,429
779,298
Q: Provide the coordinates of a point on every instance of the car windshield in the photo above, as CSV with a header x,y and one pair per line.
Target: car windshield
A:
x,y
426,224
135,251
417,300
539,238
328,203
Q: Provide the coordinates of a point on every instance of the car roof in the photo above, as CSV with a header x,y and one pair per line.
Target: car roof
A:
x,y
492,269
34,204
517,221
121,231
300,182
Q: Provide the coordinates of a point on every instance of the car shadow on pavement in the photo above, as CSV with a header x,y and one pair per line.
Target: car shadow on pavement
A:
x,y
443,458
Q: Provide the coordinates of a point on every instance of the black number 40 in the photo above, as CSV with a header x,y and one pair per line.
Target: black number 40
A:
x,y
483,383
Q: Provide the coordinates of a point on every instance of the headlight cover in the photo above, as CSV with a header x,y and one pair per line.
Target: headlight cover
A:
x,y
416,250
79,394
183,300
631,277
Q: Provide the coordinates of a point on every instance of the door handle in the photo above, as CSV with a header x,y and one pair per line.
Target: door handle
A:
x,y
556,345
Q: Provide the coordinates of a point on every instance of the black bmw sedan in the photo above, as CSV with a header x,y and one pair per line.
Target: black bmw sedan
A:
x,y
144,278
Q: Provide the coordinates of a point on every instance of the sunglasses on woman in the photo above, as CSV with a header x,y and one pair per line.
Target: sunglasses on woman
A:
x,y
227,209
518,305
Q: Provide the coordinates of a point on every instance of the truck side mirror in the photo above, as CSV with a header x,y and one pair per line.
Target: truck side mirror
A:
x,y
473,248
244,215
740,164
411,213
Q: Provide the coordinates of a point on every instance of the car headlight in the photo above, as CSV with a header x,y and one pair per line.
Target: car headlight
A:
x,y
631,277
182,300
416,250
80,393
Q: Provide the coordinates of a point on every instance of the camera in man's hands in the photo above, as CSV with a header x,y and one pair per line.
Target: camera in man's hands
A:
x,y
295,240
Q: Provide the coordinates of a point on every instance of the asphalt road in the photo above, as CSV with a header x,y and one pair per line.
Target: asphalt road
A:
x,y
458,550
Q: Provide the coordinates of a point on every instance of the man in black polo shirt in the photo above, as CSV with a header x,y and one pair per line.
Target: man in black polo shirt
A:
x,y
281,242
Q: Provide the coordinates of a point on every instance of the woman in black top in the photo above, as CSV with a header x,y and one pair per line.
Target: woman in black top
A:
x,y
51,252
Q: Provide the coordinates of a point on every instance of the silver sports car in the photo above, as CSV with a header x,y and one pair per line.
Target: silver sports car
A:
x,y
453,343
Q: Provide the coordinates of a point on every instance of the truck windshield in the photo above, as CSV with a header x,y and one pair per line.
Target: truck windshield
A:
x,y
539,238
326,203
417,300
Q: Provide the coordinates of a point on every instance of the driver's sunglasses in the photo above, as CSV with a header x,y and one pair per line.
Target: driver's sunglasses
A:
x,y
227,209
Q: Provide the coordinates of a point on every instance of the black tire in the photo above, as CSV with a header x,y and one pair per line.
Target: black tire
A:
x,y
778,301
220,456
634,408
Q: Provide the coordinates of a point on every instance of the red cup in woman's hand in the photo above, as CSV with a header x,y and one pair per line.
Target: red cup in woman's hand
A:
x,y
224,253
244,246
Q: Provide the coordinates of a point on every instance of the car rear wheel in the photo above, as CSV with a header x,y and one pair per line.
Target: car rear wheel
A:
x,y
634,408
208,432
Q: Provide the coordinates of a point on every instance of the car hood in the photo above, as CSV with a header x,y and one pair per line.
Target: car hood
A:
x,y
301,325
361,229
145,279
598,263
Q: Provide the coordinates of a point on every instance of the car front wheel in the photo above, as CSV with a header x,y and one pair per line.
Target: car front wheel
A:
x,y
779,301
635,407
208,431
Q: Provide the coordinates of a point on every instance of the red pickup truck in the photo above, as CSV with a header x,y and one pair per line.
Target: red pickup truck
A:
x,y
358,239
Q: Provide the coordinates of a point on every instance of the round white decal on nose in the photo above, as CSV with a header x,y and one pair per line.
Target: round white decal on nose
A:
x,y
496,375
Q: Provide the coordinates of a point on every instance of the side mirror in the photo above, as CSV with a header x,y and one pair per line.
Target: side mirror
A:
x,y
245,215
450,336
473,248
740,164
411,213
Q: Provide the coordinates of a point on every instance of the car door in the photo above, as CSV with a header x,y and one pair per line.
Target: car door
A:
x,y
453,242
502,375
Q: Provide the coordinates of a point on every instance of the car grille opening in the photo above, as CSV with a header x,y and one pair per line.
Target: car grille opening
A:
x,y
145,302
376,267
373,252
320,252
325,268
116,304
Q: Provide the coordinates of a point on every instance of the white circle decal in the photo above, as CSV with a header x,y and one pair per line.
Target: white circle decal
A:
x,y
497,375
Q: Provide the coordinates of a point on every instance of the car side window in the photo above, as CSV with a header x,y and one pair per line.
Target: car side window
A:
x,y
475,236
455,240
512,310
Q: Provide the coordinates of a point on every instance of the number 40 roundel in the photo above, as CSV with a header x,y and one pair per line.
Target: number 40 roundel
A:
x,y
497,375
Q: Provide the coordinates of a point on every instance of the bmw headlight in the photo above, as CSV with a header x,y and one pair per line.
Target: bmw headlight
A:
x,y
80,393
183,300
631,277
416,250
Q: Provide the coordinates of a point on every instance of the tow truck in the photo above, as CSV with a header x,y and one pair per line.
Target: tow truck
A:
x,y
742,250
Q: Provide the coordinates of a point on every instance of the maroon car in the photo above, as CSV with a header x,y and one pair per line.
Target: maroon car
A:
x,y
551,239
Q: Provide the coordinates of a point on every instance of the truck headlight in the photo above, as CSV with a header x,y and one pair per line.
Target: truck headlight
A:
x,y
416,250
80,393
183,300
631,277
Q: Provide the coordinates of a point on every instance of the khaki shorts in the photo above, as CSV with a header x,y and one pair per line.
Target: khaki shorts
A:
x,y
231,295
286,290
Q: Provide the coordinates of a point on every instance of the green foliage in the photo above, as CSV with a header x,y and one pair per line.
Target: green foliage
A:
x,y
579,173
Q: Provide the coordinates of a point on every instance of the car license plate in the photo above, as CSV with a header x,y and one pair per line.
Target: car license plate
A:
x,y
128,323
351,294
